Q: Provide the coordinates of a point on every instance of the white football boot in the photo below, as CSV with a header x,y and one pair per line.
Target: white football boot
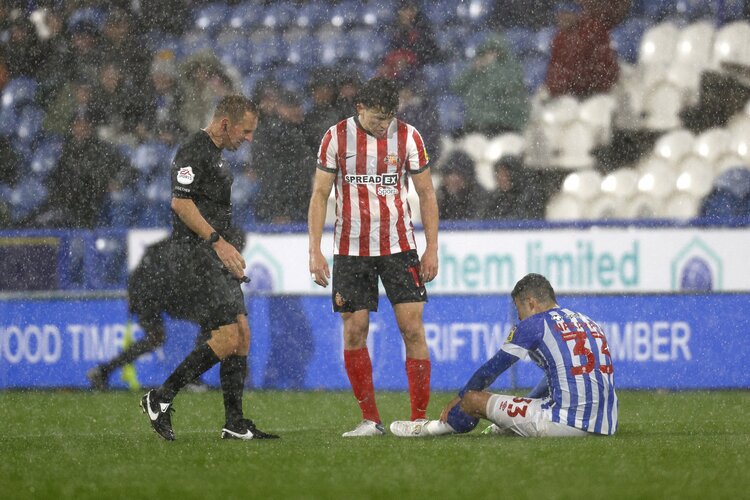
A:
x,y
366,428
420,428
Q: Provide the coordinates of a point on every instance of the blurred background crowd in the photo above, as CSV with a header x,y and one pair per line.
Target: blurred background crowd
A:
x,y
533,109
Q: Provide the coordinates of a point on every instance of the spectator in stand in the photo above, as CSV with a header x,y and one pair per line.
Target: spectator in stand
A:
x,y
130,52
74,99
283,162
323,90
413,33
88,168
515,197
166,16
163,113
117,106
416,105
205,81
460,197
582,62
24,49
349,82
57,67
495,96
85,46
532,14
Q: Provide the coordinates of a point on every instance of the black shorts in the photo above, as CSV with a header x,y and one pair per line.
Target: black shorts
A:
x,y
355,280
202,289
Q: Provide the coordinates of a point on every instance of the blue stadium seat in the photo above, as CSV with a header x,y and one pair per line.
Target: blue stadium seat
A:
x,y
8,121
92,15
730,10
18,92
521,40
626,38
451,112
27,195
29,126
377,14
656,10
302,50
246,16
543,39
333,47
345,13
155,209
311,15
279,15
212,18
474,12
195,42
367,46
472,43
267,51
290,77
46,155
235,51
120,209
440,12
106,262
534,71
692,10
151,157
437,76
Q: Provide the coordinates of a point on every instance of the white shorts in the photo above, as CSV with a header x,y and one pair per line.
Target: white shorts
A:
x,y
526,417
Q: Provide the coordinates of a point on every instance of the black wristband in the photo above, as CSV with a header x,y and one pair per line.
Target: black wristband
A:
x,y
213,238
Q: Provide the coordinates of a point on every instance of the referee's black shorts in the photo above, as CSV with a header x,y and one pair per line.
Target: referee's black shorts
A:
x,y
355,280
202,288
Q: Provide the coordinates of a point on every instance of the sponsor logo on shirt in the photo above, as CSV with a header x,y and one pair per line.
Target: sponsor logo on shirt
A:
x,y
185,175
386,183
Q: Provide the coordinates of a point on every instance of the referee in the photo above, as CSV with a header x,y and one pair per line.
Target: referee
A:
x,y
207,270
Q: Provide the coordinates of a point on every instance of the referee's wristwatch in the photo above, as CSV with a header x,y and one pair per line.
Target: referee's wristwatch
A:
x,y
213,238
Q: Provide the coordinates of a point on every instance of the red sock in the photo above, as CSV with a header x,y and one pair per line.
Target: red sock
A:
x,y
418,374
359,369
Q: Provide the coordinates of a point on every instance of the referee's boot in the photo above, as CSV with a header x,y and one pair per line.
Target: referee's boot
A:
x,y
244,429
159,414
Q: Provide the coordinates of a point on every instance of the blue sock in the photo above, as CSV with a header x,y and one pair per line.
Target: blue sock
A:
x,y
460,421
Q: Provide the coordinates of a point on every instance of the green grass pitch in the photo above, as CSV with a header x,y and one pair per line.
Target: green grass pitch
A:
x,y
87,445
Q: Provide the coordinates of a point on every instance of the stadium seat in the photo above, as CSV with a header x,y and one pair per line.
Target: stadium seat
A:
x,y
584,185
674,145
120,209
246,16
235,51
367,47
485,174
662,104
279,15
534,71
574,145
473,42
28,194
212,17
301,49
509,144
473,12
266,50
657,178
692,10
378,13
605,207
622,183
151,157
681,205
451,112
563,206
658,44
694,177
730,10
658,9
729,161
344,13
543,39
643,206
45,157
29,125
8,121
19,92
713,143
694,44
92,15
475,145
333,46
732,44
521,41
439,12
195,42
310,15
626,38
596,112
291,77
155,210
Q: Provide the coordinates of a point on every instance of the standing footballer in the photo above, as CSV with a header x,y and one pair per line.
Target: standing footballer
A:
x,y
370,158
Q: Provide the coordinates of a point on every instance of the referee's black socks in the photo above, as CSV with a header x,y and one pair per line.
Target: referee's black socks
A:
x,y
193,366
232,373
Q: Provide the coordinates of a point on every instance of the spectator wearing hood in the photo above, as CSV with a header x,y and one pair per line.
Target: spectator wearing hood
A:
x,y
515,197
495,97
730,197
413,33
460,197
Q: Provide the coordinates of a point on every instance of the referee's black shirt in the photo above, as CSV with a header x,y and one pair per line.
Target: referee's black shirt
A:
x,y
200,174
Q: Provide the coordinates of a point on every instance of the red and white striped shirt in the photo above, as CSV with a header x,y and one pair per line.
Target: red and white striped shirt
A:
x,y
372,214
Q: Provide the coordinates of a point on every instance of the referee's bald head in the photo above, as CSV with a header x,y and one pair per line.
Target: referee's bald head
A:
x,y
380,93
234,107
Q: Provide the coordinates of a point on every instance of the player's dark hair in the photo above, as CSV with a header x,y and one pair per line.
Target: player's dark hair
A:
x,y
381,93
534,285
234,107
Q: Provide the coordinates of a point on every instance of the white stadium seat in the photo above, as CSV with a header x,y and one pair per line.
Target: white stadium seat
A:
x,y
658,44
596,111
661,106
732,44
606,207
563,206
643,206
474,145
728,161
681,205
485,172
713,143
585,184
694,177
739,127
657,180
504,145
694,44
622,183
674,145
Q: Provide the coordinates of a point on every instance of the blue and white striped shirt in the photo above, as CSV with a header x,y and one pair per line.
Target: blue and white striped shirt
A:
x,y
572,350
